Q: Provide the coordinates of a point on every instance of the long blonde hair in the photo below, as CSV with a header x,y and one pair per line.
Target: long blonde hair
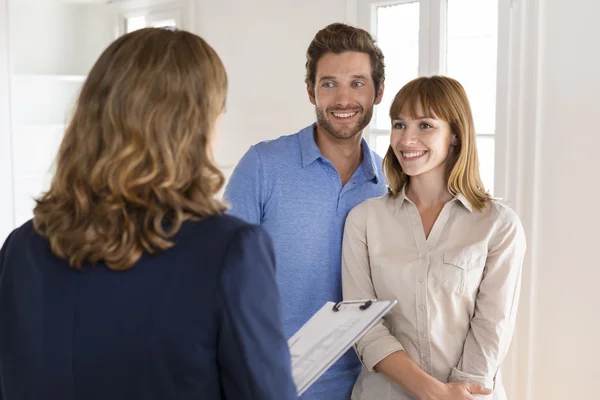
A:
x,y
445,98
136,161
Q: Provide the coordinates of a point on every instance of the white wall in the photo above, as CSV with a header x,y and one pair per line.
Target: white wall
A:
x,y
54,37
52,45
263,45
6,192
567,301
546,164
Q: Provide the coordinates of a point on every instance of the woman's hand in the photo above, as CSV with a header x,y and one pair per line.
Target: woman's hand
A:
x,y
456,391
399,368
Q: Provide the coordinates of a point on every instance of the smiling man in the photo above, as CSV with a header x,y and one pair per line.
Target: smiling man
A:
x,y
301,187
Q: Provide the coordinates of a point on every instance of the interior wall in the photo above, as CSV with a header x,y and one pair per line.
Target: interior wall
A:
x,y
263,45
567,294
6,192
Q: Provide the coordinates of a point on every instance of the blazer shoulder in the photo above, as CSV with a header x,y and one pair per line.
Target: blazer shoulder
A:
x,y
222,228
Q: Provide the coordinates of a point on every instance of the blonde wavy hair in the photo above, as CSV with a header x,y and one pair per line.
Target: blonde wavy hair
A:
x,y
136,160
446,99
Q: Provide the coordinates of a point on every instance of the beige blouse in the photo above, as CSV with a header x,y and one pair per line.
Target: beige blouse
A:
x,y
457,290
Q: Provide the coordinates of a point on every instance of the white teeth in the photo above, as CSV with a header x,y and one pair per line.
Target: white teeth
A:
x,y
344,115
412,154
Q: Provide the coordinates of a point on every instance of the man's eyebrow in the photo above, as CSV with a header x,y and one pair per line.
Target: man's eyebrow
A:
x,y
327,78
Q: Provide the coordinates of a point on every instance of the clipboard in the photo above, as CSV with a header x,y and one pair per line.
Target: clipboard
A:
x,y
328,334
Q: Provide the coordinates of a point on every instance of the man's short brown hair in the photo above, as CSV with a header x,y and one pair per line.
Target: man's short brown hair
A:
x,y
338,38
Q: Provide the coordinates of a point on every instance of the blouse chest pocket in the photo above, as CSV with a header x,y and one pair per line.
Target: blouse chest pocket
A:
x,y
461,270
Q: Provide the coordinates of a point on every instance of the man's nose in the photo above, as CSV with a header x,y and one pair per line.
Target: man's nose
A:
x,y
343,97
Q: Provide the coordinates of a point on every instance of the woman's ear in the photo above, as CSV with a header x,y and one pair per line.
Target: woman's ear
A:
x,y
454,140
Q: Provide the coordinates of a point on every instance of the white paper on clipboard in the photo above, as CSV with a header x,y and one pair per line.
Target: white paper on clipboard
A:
x,y
328,334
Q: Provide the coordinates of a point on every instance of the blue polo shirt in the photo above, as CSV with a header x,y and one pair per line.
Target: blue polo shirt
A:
x,y
289,188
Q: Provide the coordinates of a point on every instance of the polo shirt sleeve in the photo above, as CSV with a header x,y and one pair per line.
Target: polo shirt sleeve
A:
x,y
244,193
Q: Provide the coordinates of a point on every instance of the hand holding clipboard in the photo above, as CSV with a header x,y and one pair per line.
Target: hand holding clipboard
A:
x,y
328,334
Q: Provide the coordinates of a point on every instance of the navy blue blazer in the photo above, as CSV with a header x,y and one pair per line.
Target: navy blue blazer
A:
x,y
201,320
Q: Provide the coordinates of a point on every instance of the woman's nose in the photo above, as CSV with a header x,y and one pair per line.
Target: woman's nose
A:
x,y
409,137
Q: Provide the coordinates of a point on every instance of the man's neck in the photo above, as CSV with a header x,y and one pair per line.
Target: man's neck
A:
x,y
345,154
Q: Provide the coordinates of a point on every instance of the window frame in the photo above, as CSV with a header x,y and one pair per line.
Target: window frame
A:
x,y
432,44
432,51
155,10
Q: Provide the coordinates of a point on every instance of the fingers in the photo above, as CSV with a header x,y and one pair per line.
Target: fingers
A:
x,y
475,388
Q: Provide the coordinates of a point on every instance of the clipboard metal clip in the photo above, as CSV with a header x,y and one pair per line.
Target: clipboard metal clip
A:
x,y
364,306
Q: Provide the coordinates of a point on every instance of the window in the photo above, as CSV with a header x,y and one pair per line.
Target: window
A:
x,y
164,14
144,21
397,30
457,38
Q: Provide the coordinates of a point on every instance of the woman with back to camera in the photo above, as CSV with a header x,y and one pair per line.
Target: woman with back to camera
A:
x,y
448,252
130,282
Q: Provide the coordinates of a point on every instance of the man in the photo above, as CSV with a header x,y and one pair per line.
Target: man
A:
x,y
301,187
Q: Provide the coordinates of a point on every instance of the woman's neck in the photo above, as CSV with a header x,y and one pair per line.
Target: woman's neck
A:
x,y
428,191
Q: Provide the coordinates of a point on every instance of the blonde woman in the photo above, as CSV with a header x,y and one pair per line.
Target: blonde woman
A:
x,y
129,282
448,252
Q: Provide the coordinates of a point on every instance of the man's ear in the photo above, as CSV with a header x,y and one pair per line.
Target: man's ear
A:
x,y
379,95
311,93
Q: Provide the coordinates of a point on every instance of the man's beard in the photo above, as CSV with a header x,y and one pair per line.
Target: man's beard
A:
x,y
345,131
